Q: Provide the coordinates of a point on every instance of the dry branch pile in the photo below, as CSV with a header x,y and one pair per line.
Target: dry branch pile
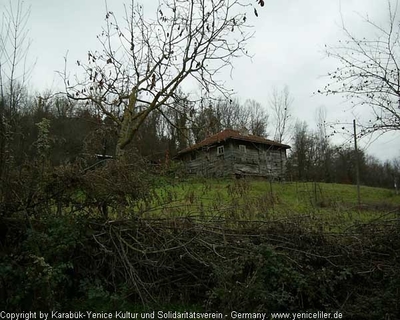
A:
x,y
252,266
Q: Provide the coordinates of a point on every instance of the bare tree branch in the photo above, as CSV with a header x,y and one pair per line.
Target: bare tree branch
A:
x,y
369,73
144,61
280,103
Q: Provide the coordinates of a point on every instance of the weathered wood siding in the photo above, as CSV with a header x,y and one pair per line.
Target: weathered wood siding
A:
x,y
259,159
238,158
206,161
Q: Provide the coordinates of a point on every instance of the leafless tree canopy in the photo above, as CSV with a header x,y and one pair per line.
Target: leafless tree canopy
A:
x,y
369,72
144,60
257,118
14,47
14,75
280,103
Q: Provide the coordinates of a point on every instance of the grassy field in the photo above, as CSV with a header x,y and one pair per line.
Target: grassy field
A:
x,y
333,207
205,244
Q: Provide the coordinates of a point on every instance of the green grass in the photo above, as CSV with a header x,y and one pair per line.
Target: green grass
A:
x,y
332,207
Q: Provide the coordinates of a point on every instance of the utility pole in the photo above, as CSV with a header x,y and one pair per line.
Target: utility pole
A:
x,y
357,164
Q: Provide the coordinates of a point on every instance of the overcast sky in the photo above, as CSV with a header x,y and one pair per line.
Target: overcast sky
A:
x,y
288,49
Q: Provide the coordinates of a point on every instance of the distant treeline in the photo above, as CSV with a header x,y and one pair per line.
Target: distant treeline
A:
x,y
314,158
61,131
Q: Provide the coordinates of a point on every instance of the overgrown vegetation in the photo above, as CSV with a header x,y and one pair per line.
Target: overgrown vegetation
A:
x,y
198,245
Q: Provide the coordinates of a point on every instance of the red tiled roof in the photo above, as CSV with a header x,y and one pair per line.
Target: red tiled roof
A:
x,y
235,135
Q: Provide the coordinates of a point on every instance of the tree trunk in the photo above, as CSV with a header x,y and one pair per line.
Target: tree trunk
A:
x,y
120,153
129,127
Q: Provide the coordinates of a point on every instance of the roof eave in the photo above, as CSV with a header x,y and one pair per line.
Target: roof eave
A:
x,y
275,144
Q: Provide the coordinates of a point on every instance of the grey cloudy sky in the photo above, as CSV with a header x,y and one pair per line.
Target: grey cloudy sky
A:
x,y
288,50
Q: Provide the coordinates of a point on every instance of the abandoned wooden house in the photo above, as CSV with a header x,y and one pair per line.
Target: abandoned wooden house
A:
x,y
235,153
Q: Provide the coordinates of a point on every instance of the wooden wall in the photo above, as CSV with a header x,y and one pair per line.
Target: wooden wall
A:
x,y
238,158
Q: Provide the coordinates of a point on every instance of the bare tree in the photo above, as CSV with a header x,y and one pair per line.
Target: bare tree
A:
x,y
231,113
208,119
143,63
14,48
323,159
257,121
14,71
179,116
369,72
219,114
280,103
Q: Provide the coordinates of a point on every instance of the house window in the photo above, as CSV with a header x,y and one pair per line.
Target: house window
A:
x,y
220,151
242,148
193,156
